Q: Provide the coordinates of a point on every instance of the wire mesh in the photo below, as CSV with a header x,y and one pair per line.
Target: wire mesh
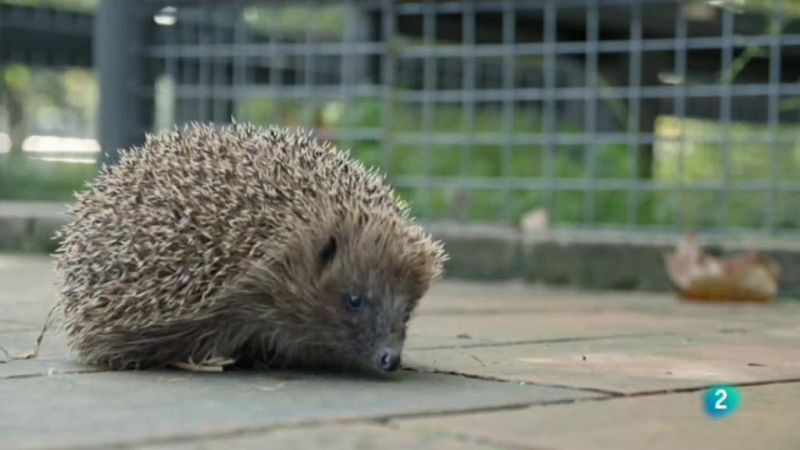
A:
x,y
640,115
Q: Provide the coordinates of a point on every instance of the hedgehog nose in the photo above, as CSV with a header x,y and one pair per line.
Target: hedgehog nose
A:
x,y
389,360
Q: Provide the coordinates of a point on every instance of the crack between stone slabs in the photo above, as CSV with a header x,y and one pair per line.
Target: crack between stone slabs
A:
x,y
379,420
518,382
385,420
684,390
606,394
540,341
482,440
614,395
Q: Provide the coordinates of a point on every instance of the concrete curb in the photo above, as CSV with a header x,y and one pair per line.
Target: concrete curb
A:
x,y
586,259
30,226
591,259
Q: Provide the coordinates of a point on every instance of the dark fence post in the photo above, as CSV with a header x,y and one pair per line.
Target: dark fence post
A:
x,y
121,67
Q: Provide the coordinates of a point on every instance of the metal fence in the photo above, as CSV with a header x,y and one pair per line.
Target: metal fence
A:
x,y
608,113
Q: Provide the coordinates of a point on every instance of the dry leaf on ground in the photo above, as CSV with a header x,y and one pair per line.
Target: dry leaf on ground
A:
x,y
748,277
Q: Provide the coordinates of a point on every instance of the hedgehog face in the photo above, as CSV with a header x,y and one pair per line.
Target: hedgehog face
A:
x,y
344,297
368,298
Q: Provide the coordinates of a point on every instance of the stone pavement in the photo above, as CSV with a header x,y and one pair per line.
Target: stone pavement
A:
x,y
487,366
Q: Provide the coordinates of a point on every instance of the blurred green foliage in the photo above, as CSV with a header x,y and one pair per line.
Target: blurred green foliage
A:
x,y
66,5
36,180
680,164
51,99
324,21
695,159
40,101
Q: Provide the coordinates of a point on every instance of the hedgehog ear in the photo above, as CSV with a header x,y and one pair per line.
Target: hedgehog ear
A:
x,y
328,253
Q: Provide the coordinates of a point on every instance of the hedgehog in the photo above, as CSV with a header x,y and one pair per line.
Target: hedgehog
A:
x,y
216,245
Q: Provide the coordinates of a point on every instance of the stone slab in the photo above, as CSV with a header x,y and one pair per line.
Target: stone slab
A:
x,y
26,289
627,365
457,314
107,408
13,326
478,330
53,344
460,298
767,419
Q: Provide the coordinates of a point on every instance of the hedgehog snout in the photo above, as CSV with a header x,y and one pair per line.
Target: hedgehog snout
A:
x,y
388,359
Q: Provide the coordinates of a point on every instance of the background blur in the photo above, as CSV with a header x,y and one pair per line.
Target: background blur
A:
x,y
620,114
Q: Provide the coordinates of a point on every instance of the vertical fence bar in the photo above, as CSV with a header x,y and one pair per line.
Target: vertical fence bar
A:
x,y
468,99
681,57
550,125
308,69
428,114
204,83
352,64
725,115
119,41
590,108
387,80
251,63
346,70
275,66
240,62
187,75
171,66
773,107
219,21
634,109
509,71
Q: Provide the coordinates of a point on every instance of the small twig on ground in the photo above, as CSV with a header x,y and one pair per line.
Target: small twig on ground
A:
x,y
36,346
8,355
477,359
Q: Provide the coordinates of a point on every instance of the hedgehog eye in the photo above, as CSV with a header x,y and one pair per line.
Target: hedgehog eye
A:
x,y
353,302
